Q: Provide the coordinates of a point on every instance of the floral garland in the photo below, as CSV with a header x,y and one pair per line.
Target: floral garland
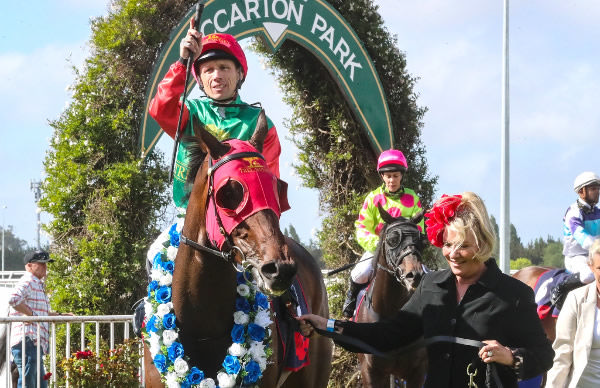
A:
x,y
251,336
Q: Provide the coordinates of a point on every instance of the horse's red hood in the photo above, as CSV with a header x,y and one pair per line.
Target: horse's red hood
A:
x,y
260,191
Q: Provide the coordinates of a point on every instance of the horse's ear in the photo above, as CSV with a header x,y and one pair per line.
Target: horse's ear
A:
x,y
387,218
417,217
209,144
260,132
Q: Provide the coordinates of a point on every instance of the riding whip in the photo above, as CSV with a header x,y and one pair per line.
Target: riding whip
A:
x,y
196,26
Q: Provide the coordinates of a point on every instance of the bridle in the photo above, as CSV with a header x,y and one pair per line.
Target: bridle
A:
x,y
228,254
404,237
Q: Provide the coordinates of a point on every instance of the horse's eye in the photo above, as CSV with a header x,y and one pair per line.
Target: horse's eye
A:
x,y
230,195
393,238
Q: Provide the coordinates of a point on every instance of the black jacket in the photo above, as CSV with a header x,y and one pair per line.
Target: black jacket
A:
x,y
497,307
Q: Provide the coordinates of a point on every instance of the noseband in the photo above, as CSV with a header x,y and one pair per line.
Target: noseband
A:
x,y
400,240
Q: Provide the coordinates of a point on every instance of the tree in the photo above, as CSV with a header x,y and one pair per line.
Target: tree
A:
x,y
553,256
104,199
519,263
14,250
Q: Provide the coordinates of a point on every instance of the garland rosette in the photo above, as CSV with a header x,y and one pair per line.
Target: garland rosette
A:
x,y
251,336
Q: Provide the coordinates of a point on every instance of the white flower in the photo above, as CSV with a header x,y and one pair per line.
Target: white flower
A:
x,y
156,274
225,380
262,363
163,309
263,318
207,383
169,336
237,350
166,279
179,226
243,290
181,367
257,350
171,252
147,309
154,344
241,318
171,379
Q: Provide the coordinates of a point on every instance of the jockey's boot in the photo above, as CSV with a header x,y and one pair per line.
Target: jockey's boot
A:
x,y
350,302
138,319
559,293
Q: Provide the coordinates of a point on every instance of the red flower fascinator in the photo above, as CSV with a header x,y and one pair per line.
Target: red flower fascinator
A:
x,y
440,215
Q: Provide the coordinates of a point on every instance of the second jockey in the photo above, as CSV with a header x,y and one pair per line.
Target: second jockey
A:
x,y
396,200
581,227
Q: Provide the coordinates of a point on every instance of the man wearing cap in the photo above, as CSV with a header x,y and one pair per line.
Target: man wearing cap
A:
x,y
581,227
29,298
220,68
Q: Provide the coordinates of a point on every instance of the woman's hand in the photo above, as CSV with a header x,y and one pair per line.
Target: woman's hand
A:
x,y
494,351
191,44
309,322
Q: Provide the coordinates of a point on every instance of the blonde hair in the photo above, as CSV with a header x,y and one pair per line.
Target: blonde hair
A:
x,y
472,216
594,249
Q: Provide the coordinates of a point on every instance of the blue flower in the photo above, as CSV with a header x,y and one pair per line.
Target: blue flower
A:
x,y
254,373
237,334
152,286
160,362
174,236
156,263
241,304
241,279
163,295
185,384
260,300
195,376
256,332
169,321
168,266
232,365
151,324
175,351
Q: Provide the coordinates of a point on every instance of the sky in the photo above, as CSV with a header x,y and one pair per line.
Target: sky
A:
x,y
453,48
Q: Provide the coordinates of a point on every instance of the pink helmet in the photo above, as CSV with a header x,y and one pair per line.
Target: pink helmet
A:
x,y
391,160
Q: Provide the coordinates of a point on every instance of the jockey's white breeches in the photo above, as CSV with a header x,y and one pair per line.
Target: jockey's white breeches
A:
x,y
362,271
578,264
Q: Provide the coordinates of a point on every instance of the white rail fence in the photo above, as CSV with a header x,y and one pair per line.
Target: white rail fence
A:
x,y
54,354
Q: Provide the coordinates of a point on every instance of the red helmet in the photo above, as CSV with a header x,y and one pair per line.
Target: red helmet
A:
x,y
391,160
221,46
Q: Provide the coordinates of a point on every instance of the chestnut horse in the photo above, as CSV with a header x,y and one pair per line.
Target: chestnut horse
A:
x,y
530,275
204,284
398,272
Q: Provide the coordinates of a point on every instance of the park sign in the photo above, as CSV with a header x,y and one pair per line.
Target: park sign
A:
x,y
315,25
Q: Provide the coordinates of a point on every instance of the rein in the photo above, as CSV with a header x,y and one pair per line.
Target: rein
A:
x,y
229,255
423,342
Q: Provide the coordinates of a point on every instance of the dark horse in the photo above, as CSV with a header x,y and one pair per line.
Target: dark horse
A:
x,y
398,272
204,285
530,275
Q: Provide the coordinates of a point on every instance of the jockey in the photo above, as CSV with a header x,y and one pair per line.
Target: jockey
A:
x,y
220,68
396,200
581,227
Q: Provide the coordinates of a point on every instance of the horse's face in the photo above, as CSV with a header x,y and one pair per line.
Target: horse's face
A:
x,y
244,202
401,241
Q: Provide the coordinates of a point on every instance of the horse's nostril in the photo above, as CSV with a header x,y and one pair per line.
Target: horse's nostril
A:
x,y
410,275
269,270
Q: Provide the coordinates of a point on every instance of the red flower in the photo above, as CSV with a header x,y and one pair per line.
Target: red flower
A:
x,y
84,354
47,376
440,215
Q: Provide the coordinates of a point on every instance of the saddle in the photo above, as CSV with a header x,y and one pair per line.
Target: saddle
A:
x,y
543,292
